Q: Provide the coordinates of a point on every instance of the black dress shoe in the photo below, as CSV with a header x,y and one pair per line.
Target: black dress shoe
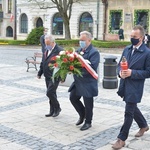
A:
x,y
50,114
80,121
85,126
56,112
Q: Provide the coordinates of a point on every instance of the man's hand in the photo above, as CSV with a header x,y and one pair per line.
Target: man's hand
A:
x,y
125,73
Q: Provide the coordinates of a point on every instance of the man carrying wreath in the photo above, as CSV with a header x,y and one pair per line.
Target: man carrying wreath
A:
x,y
52,50
85,86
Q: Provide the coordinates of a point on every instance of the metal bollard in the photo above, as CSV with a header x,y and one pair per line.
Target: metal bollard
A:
x,y
110,80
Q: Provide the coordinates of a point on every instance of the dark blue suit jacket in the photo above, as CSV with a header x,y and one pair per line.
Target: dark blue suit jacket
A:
x,y
87,85
44,66
131,88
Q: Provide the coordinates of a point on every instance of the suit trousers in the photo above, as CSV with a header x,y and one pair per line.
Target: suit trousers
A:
x,y
51,93
85,110
131,112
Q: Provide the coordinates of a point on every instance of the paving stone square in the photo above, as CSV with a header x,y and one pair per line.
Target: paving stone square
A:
x,y
23,105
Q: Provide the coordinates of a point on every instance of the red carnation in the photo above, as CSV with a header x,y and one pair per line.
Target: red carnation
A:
x,y
65,60
53,58
55,64
71,67
67,52
71,59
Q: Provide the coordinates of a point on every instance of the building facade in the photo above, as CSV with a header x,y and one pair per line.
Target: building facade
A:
x,y
6,19
102,20
85,16
126,14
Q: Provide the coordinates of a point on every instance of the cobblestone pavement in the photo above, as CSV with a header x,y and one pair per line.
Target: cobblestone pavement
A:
x,y
23,105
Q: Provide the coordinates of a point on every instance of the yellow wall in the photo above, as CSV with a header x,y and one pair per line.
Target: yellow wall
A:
x,y
128,7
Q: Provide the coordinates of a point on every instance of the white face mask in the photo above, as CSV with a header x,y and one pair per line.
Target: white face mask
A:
x,y
48,47
82,44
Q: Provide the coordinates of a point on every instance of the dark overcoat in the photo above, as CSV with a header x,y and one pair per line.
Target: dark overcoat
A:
x,y
131,88
87,85
121,34
44,66
42,41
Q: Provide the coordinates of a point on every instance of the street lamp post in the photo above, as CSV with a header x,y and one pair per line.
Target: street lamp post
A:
x,y
15,19
105,2
97,22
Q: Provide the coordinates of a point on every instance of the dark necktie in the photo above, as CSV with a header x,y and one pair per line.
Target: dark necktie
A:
x,y
133,51
47,51
83,50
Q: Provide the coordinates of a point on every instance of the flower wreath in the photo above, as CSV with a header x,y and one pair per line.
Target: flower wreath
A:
x,y
70,62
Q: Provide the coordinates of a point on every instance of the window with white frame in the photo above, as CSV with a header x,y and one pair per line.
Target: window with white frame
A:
x,y
57,25
9,6
86,22
23,23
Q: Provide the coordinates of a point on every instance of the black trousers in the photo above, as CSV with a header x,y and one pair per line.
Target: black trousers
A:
x,y
51,93
85,110
132,112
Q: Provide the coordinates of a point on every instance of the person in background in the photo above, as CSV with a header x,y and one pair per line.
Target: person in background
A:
x,y
86,86
121,33
52,49
147,39
132,84
42,40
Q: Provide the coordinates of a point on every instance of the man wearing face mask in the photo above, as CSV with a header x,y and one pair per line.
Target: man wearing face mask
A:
x,y
52,49
132,83
86,86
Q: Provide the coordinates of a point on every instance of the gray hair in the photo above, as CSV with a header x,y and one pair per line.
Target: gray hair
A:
x,y
88,34
139,27
50,37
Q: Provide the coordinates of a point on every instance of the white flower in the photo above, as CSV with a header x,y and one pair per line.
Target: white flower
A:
x,y
58,56
81,53
62,53
71,55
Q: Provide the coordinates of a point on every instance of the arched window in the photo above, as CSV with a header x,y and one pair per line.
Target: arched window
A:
x,y
57,28
39,23
24,24
86,23
9,32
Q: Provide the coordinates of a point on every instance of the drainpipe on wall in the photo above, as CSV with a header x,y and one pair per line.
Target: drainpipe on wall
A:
x,y
15,19
97,22
105,2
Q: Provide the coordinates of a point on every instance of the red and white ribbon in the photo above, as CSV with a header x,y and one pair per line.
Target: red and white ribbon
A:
x,y
87,66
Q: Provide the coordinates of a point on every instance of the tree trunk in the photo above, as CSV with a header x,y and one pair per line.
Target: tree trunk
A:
x,y
67,29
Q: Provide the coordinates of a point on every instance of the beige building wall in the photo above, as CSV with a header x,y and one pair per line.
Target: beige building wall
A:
x,y
33,13
128,7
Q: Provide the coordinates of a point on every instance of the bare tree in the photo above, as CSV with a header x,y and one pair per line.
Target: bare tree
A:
x,y
64,8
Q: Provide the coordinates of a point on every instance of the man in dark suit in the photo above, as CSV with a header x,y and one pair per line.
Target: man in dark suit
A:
x,y
132,83
85,86
52,49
